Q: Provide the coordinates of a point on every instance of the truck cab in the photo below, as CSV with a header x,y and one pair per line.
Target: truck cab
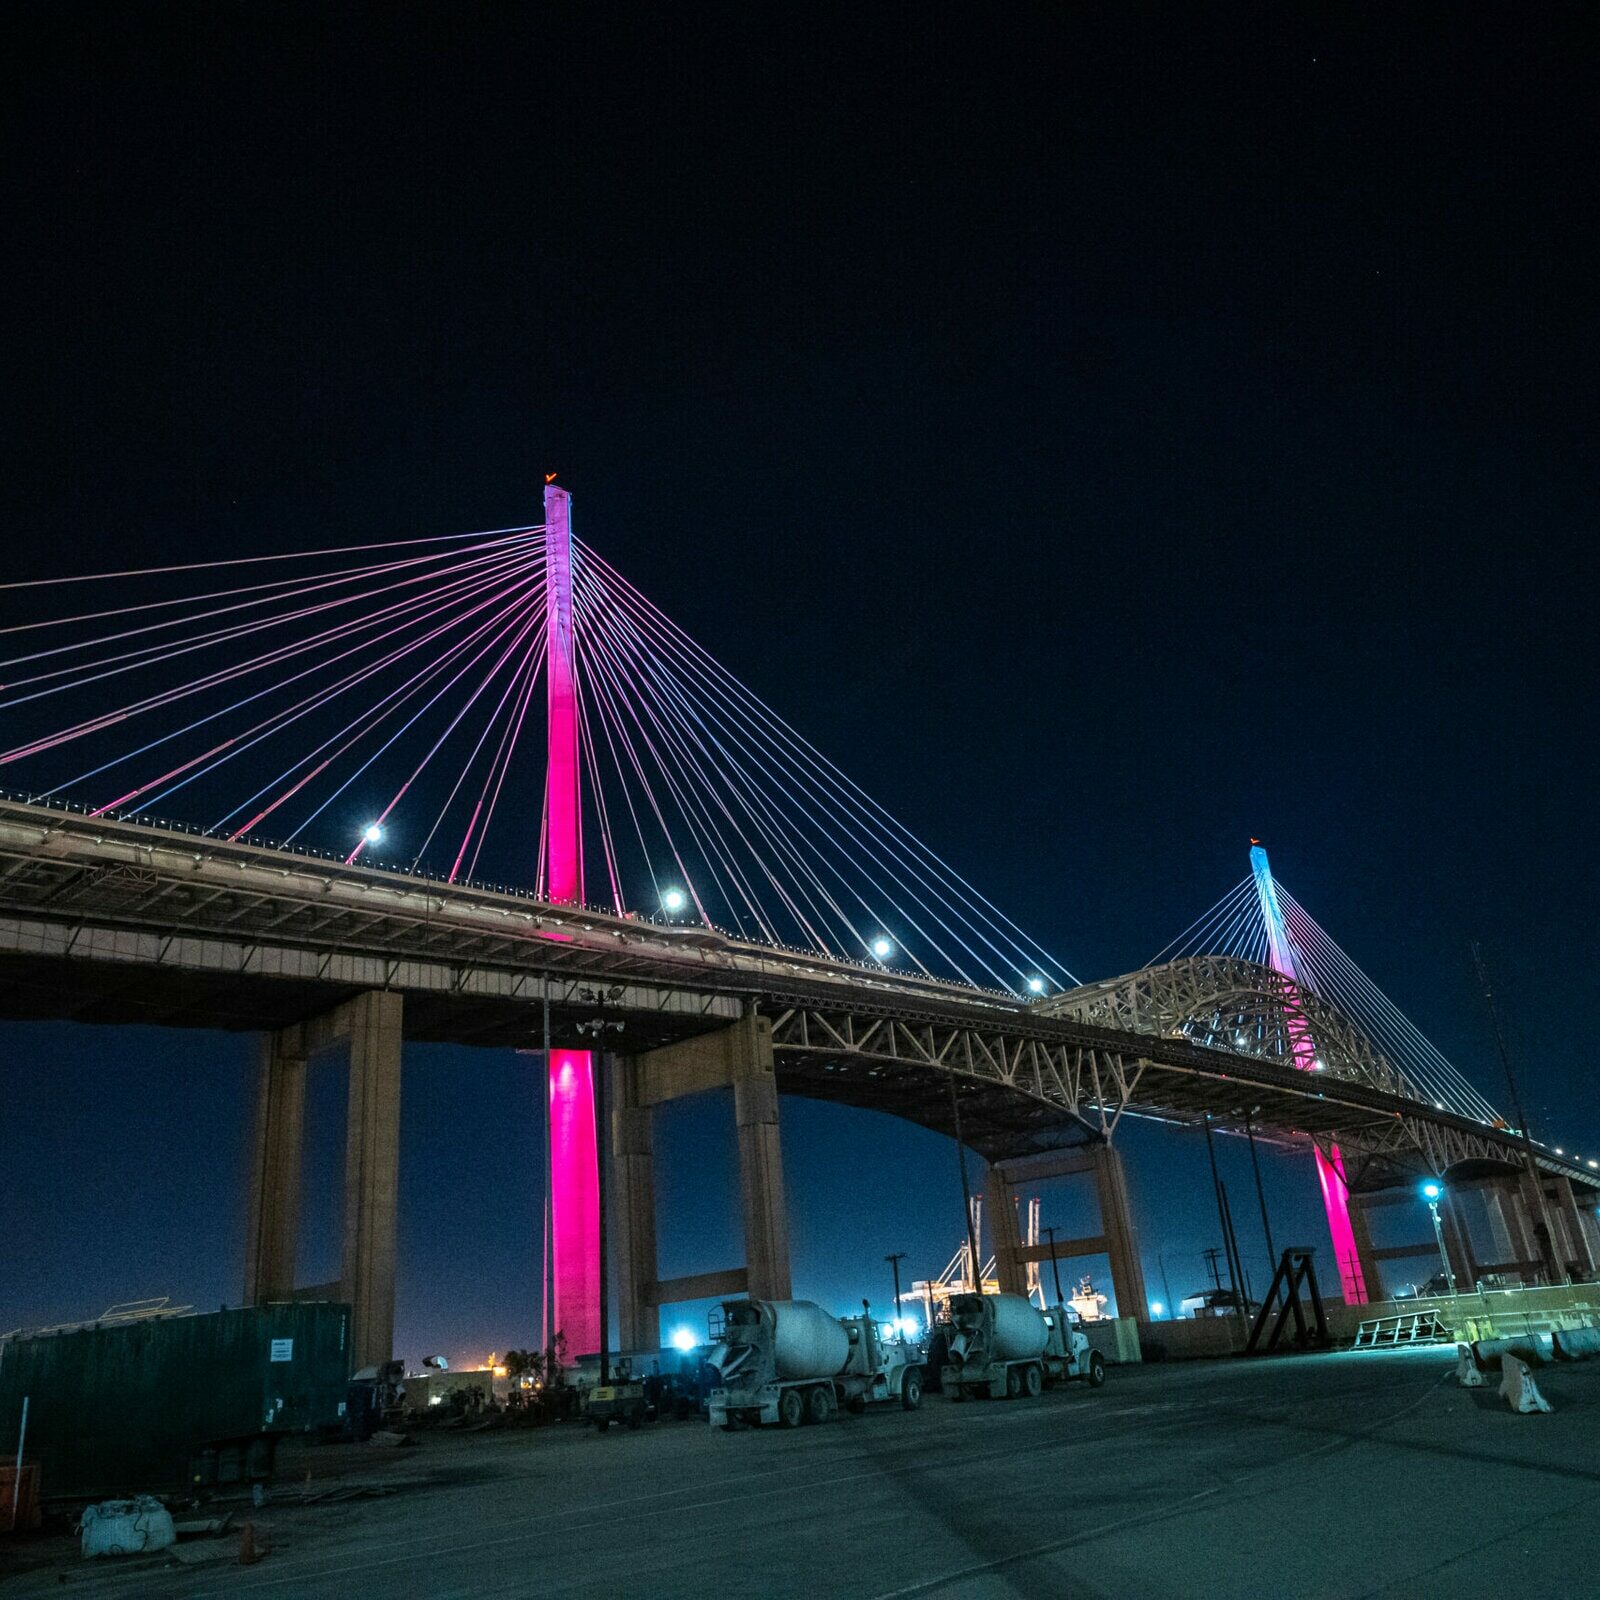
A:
x,y
878,1368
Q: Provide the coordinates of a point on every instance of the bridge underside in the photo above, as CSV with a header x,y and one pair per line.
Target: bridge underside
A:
x,y
42,989
1019,1094
997,1121
823,1056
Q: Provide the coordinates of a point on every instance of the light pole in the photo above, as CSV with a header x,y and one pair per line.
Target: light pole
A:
x,y
1055,1265
894,1266
974,1265
1433,1193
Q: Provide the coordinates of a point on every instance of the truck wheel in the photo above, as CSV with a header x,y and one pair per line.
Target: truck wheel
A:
x,y
911,1390
819,1404
1033,1382
1013,1382
791,1408
1097,1370
856,1404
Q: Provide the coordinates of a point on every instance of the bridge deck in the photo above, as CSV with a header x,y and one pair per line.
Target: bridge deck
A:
x,y
117,922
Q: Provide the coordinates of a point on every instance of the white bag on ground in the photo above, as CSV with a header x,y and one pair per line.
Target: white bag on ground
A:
x,y
126,1527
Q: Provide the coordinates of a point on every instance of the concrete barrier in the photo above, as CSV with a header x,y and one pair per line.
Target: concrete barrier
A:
x,y
1576,1344
1468,1373
1518,1387
1192,1338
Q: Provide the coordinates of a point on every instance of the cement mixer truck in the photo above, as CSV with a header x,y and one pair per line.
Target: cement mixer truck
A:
x,y
1003,1346
788,1362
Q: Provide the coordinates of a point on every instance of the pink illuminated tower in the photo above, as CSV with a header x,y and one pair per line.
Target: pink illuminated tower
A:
x,y
1330,1172
574,1174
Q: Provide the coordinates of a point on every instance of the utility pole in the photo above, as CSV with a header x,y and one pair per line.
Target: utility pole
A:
x,y
1261,1194
974,1264
1210,1256
1556,1267
1222,1217
1233,1246
894,1266
1055,1266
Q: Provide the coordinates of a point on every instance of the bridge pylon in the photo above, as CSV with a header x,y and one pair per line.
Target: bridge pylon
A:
x,y
1330,1167
573,1153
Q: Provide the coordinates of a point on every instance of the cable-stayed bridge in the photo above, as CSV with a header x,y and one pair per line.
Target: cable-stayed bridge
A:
x,y
703,896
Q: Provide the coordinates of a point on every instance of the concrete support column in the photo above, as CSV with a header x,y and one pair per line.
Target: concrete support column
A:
x,y
1122,1237
1367,1263
1512,1213
1588,1225
1000,1201
372,1024
1505,1226
633,1208
1118,1238
1520,1214
273,1226
1575,1245
755,1115
1458,1245
1549,1247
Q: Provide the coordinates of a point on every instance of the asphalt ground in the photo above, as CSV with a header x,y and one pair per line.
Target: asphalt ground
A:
x,y
1360,1474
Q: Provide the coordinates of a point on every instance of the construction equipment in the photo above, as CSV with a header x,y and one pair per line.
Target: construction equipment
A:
x,y
789,1361
620,1399
1003,1346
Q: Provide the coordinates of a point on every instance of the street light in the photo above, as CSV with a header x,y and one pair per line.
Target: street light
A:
x,y
1433,1193
373,833
894,1264
1035,985
1055,1265
882,947
1156,1308
673,901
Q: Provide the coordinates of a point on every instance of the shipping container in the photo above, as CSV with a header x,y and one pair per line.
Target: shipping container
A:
x,y
173,1404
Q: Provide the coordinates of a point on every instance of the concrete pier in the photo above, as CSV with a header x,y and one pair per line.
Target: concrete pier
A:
x,y
737,1058
1118,1238
369,1028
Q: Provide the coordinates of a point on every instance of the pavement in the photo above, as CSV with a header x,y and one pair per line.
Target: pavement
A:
x,y
1350,1475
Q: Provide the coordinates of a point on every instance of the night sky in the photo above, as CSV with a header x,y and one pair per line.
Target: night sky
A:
x,y
1108,436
